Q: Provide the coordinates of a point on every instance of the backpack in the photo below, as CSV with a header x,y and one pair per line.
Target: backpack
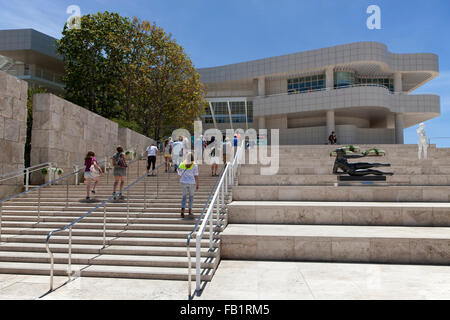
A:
x,y
119,161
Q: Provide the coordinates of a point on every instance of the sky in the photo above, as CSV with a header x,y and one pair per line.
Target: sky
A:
x,y
216,33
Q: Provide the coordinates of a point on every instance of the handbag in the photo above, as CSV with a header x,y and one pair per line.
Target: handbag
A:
x,y
94,171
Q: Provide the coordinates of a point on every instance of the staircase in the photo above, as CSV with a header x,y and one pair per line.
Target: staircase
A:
x,y
301,215
151,246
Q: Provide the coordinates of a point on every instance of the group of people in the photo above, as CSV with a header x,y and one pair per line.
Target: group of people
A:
x,y
177,154
93,171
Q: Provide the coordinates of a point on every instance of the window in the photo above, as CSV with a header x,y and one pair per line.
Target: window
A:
x,y
344,79
305,84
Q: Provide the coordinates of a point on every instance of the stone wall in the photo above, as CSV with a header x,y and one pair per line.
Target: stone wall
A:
x,y
13,130
131,140
64,132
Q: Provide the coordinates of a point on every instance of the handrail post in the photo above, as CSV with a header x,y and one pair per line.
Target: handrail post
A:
x,y
211,230
128,205
189,270
50,173
27,180
69,271
1,212
76,175
104,226
39,204
217,211
197,266
67,193
145,193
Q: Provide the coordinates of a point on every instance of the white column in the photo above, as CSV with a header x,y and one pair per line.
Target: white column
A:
x,y
229,114
329,78
330,122
261,123
213,115
399,129
398,85
261,86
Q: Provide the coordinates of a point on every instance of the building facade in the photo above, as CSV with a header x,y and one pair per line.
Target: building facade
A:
x,y
360,90
31,56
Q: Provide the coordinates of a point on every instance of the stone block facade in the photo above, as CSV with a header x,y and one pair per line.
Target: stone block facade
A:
x,y
63,133
131,140
13,130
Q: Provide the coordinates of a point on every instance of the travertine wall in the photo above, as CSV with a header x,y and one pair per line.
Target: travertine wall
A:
x,y
131,140
13,130
64,132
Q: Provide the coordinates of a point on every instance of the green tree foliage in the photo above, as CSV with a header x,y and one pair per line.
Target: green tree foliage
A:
x,y
131,71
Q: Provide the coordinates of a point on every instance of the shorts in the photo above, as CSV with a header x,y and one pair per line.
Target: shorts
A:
x,y
215,160
89,175
167,155
120,172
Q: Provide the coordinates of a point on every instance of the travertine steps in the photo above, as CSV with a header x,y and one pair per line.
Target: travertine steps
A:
x,y
413,245
151,246
299,215
340,213
343,193
329,179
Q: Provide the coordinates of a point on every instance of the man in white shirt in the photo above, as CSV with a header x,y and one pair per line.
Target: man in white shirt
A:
x,y
151,152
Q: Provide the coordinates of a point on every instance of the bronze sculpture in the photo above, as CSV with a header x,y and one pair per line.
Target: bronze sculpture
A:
x,y
359,169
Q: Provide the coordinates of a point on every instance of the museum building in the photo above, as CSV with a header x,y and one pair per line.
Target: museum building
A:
x,y
360,90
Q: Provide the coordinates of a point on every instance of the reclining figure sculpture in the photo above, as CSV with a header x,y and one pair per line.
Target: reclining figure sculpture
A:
x,y
357,169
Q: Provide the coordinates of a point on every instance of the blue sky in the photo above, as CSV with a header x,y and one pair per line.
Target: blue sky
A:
x,y
217,32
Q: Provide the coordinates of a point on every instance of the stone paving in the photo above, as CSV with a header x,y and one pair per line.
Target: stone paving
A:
x,y
243,280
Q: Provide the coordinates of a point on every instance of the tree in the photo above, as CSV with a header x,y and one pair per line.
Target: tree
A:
x,y
169,90
93,60
131,71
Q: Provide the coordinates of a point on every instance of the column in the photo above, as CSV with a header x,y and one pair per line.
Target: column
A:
x,y
261,86
329,78
330,122
399,129
398,85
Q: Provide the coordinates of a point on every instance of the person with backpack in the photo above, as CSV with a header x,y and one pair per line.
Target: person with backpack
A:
x,y
188,174
120,172
92,172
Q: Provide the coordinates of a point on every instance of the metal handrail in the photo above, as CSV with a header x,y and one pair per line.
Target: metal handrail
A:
x,y
52,182
103,204
25,171
226,180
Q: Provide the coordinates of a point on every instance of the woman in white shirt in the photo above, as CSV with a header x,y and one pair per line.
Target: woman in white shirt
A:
x,y
188,174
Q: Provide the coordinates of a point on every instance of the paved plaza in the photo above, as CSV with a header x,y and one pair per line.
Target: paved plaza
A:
x,y
243,280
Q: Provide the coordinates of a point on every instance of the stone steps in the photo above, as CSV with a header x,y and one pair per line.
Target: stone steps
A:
x,y
370,244
152,245
327,170
340,213
99,271
424,180
342,193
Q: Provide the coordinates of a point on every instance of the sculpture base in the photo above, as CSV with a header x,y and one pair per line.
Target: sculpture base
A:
x,y
361,181
363,178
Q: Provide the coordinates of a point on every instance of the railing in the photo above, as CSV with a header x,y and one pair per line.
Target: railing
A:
x,y
216,198
331,89
26,171
104,205
53,182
